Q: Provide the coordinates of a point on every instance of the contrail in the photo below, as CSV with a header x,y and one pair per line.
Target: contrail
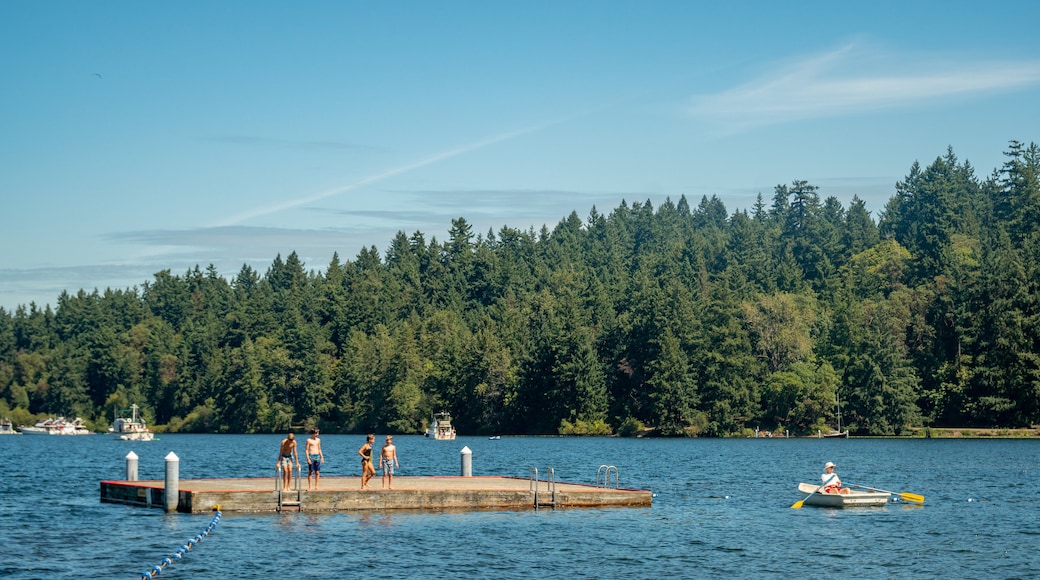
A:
x,y
390,173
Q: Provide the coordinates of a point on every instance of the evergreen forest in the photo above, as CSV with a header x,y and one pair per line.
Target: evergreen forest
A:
x,y
675,320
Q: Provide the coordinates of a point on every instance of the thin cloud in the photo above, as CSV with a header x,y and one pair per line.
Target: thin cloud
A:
x,y
283,143
445,155
844,81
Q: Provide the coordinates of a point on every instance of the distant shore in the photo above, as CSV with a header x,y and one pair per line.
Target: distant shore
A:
x,y
975,433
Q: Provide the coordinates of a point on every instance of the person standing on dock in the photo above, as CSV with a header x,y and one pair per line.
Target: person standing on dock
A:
x,y
367,469
388,461
286,455
314,459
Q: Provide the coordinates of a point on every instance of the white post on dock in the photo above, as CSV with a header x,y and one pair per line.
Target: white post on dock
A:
x,y
467,462
131,466
172,490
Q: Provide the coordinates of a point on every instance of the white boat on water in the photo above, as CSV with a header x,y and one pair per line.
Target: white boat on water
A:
x,y
6,428
839,434
56,426
440,427
843,500
128,426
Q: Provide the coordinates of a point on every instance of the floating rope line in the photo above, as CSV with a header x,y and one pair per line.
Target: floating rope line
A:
x,y
183,550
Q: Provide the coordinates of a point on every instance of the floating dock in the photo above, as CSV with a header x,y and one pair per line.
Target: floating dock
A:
x,y
344,494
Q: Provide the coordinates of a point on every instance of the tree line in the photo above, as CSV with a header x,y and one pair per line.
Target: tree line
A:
x,y
679,319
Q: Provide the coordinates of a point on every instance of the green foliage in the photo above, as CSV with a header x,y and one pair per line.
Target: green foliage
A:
x,y
631,427
588,428
679,320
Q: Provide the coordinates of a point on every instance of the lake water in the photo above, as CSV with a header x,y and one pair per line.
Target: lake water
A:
x,y
721,508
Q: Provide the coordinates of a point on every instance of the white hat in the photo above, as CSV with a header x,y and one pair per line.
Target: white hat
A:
x,y
828,464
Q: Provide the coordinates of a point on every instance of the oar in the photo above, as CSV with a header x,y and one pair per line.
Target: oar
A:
x,y
798,504
907,496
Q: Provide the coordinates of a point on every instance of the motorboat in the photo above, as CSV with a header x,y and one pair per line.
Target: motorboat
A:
x,y
818,498
440,427
128,426
6,428
56,426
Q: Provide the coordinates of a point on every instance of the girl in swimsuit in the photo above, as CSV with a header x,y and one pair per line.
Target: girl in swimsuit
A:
x,y
367,469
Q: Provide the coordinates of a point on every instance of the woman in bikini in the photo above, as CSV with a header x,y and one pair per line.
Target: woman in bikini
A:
x,y
367,469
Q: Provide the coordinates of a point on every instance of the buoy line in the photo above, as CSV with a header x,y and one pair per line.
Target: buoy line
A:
x,y
183,550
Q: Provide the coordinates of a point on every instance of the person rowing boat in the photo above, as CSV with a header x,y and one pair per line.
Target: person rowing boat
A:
x,y
831,481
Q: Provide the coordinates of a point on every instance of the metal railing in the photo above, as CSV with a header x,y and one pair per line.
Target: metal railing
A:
x,y
294,486
603,476
550,485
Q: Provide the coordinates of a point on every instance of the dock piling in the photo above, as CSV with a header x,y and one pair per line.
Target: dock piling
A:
x,y
172,491
131,466
467,462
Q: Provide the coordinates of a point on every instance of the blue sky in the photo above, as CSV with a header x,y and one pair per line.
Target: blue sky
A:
x,y
142,136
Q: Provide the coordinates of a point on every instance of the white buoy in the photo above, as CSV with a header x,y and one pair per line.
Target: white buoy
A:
x,y
131,466
172,489
467,462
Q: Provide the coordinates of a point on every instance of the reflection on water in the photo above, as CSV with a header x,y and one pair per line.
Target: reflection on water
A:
x,y
721,507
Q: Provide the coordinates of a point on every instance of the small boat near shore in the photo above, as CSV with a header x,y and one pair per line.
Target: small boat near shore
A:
x,y
440,427
128,426
838,434
6,428
843,500
57,426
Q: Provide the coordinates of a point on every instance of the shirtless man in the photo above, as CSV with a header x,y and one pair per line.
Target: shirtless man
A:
x,y
314,459
367,469
388,461
286,455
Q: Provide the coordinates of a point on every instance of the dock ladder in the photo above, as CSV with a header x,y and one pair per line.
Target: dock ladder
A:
x,y
603,476
285,497
550,484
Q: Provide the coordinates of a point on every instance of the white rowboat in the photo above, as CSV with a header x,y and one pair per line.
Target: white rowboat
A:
x,y
843,500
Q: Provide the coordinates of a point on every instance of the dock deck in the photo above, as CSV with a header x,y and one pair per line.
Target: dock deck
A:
x,y
344,494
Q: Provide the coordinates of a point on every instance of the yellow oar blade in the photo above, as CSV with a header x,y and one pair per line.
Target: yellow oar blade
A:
x,y
798,504
912,497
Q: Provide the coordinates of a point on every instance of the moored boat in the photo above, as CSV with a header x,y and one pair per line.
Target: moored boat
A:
x,y
838,434
843,500
128,426
440,427
56,426
6,428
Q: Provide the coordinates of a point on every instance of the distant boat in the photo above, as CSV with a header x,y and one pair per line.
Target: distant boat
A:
x,y
128,426
57,426
495,437
440,427
6,428
839,434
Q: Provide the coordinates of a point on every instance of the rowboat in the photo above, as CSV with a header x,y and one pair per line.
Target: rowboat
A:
x,y
843,500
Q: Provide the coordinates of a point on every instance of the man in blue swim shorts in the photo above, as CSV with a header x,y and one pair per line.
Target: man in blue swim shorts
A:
x,y
286,455
314,459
